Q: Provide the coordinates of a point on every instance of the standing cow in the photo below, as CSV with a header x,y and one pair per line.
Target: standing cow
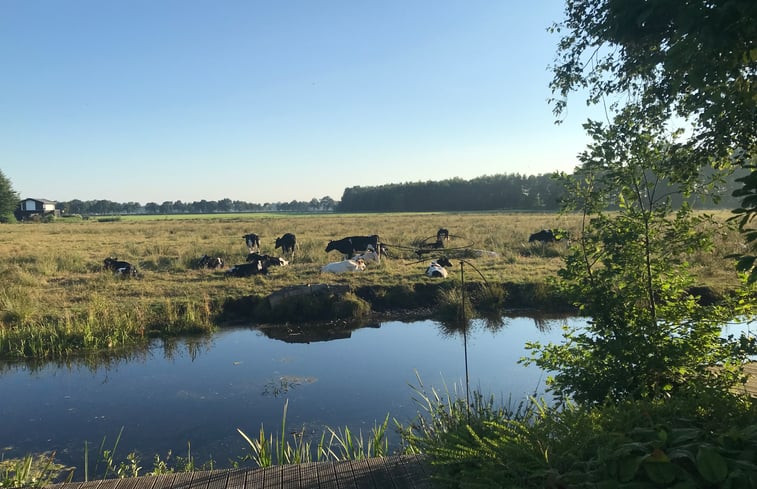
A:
x,y
252,241
287,243
355,244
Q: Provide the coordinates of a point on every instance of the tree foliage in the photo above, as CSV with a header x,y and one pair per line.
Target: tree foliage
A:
x,y
649,335
665,61
8,199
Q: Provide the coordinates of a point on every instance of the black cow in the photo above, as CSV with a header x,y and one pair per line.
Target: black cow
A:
x,y
266,260
207,262
287,243
355,244
544,236
247,269
120,267
442,235
252,240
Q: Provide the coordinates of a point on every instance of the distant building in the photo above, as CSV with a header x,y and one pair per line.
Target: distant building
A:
x,y
36,207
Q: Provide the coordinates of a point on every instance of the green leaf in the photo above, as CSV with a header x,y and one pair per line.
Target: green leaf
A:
x,y
628,467
660,472
711,465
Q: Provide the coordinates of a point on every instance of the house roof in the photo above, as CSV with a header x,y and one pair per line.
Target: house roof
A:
x,y
44,201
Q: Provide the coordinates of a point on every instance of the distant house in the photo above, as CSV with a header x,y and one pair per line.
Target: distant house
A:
x,y
39,207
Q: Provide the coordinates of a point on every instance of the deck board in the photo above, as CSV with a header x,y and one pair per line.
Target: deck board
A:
x,y
395,472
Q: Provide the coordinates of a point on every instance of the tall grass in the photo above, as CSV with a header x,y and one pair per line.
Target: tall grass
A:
x,y
266,450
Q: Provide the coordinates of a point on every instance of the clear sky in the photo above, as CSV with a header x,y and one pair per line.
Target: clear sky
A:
x,y
266,101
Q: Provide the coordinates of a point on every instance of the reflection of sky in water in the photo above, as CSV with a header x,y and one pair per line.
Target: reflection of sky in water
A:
x,y
201,396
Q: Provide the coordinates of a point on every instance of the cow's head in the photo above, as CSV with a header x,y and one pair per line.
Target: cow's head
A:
x,y
330,246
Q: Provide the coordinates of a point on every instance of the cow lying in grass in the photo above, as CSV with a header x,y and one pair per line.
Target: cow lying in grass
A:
x,y
247,269
344,266
267,260
436,268
207,262
368,256
119,267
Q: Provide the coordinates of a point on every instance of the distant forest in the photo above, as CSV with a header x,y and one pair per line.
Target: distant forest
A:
x,y
495,192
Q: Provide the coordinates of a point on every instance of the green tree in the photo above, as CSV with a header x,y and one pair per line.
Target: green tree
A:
x,y
8,199
667,61
649,336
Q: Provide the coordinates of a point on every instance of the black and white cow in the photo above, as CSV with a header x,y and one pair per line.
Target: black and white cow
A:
x,y
354,244
207,262
247,269
442,235
252,241
266,260
287,243
120,267
436,268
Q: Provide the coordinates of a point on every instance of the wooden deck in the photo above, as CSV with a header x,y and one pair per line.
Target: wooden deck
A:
x,y
395,472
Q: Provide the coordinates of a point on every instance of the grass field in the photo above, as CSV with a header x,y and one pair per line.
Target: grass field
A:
x,y
54,290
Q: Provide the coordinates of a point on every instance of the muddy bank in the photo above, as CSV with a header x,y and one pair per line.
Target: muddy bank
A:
x,y
324,302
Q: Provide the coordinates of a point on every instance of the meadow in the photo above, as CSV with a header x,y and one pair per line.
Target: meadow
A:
x,y
56,300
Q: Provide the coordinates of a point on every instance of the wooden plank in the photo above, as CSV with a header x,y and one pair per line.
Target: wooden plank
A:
x,y
89,484
400,477
380,474
290,477
235,479
163,481
218,479
361,473
108,484
182,480
309,476
345,478
327,476
415,472
254,479
272,477
130,483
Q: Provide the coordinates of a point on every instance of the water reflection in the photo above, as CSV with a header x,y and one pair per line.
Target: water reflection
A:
x,y
201,389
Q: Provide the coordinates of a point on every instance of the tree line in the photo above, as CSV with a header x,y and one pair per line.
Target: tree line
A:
x,y
495,192
107,207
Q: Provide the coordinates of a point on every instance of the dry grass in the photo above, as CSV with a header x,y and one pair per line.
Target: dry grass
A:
x,y
53,272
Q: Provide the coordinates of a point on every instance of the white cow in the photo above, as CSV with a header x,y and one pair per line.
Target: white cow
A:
x,y
344,266
368,256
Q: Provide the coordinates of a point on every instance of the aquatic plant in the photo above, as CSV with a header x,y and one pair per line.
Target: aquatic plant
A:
x,y
342,444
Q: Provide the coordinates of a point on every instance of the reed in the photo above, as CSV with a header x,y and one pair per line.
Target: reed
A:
x,y
267,450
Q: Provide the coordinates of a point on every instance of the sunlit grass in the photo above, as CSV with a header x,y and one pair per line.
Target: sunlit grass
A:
x,y
53,287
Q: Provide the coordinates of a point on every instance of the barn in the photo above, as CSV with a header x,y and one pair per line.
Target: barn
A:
x,y
39,207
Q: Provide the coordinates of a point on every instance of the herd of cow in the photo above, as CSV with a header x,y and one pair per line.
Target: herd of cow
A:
x,y
357,251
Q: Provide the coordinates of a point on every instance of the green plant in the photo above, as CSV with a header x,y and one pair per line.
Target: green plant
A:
x,y
343,444
33,471
629,272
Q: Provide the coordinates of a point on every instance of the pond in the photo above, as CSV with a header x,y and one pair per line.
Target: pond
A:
x,y
200,391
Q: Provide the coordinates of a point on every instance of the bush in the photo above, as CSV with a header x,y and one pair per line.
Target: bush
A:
x,y
705,439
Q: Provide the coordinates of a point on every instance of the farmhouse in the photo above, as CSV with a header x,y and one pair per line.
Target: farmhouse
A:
x,y
40,207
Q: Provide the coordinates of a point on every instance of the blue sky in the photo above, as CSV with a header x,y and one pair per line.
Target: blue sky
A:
x,y
265,101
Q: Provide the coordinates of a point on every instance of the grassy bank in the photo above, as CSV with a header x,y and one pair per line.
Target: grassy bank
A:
x,y
56,299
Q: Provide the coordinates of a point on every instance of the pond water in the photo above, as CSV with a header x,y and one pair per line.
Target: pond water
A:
x,y
200,391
